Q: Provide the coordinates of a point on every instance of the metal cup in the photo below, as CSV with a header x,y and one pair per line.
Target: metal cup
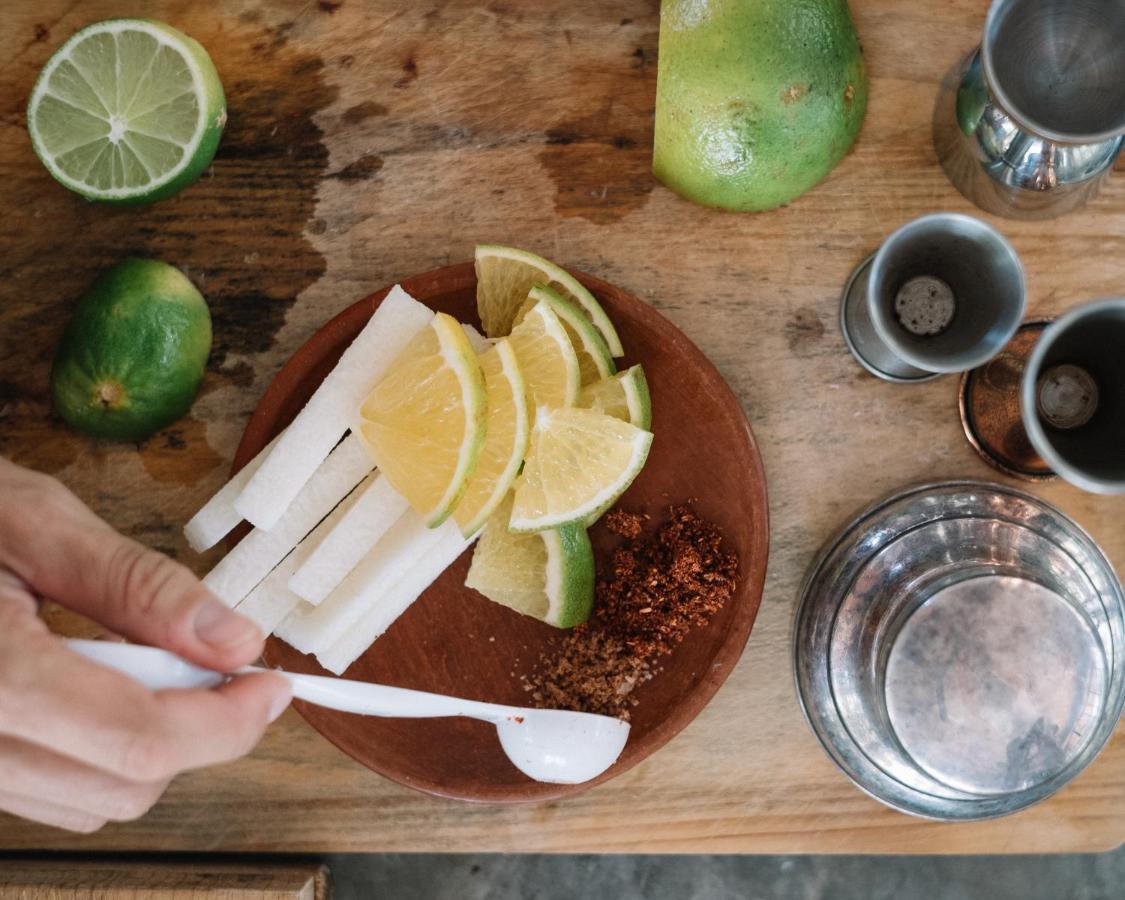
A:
x,y
943,294
1073,397
1029,125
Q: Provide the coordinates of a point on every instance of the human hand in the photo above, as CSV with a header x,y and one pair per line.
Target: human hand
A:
x,y
81,745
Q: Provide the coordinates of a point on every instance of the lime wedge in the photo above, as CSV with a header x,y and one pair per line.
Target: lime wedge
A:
x,y
424,423
505,440
624,396
594,359
548,576
546,358
504,277
579,463
127,111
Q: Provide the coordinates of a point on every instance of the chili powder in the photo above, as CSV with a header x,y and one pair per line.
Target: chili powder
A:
x,y
661,586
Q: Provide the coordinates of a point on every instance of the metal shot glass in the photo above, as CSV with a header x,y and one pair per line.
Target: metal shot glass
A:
x,y
1073,397
943,294
1029,125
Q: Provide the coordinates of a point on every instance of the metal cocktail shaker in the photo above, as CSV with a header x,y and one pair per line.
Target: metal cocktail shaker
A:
x,y
1032,121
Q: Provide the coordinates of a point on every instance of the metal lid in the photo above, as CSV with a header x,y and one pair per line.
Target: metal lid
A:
x,y
990,409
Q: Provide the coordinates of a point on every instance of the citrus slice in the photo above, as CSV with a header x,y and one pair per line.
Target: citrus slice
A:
x,y
546,358
505,441
424,423
594,359
624,396
505,275
579,463
548,576
127,111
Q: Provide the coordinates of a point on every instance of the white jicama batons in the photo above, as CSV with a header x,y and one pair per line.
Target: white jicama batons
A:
x,y
218,517
376,508
312,628
271,601
332,409
395,601
254,558
330,565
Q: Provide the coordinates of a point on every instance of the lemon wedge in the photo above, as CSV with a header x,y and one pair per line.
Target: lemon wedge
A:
x,y
424,424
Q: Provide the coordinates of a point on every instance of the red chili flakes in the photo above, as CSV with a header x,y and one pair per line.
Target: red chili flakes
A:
x,y
626,524
661,587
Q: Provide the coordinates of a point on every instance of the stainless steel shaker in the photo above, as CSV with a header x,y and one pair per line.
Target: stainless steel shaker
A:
x,y
1032,121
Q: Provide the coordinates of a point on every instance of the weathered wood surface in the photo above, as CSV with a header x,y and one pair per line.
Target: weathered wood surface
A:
x,y
371,141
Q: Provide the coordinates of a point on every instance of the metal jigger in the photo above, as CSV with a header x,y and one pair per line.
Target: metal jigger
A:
x,y
943,294
1073,397
1053,402
1031,122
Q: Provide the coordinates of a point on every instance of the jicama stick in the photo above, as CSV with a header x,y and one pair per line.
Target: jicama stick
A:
x,y
311,628
254,558
332,409
396,601
271,601
218,516
377,507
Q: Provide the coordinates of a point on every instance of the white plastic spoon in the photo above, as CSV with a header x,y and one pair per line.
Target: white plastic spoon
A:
x,y
545,744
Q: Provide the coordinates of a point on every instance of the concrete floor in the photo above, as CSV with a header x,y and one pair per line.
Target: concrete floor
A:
x,y
481,877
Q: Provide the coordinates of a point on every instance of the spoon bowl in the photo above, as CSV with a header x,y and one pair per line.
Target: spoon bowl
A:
x,y
561,747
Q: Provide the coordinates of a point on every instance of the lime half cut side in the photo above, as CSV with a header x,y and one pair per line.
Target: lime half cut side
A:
x,y
127,111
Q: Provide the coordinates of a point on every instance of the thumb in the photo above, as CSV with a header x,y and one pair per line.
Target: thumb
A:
x,y
71,556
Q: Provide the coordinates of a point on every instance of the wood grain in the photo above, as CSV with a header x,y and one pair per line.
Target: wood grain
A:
x,y
69,879
409,132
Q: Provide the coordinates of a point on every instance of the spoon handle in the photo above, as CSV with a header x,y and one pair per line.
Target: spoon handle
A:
x,y
384,700
160,670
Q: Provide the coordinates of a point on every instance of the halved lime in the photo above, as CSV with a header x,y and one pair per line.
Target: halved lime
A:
x,y
504,277
546,358
624,396
424,423
505,440
548,576
127,111
594,359
579,463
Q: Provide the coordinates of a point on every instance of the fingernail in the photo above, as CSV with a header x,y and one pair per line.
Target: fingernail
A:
x,y
218,626
280,703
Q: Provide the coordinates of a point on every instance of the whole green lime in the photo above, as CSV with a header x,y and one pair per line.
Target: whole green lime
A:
x,y
131,359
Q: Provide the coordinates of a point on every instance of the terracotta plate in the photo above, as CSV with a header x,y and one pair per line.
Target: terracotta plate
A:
x,y
454,641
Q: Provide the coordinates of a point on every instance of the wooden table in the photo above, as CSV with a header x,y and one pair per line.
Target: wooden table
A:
x,y
370,141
